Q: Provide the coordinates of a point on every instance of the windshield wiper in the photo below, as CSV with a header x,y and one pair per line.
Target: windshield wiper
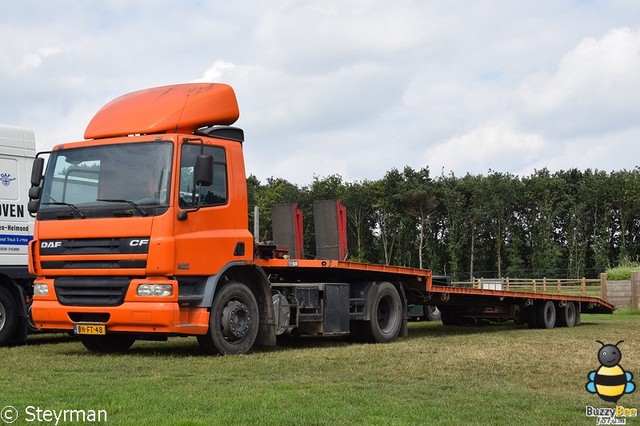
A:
x,y
73,207
131,203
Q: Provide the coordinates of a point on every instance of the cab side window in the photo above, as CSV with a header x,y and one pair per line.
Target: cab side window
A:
x,y
212,195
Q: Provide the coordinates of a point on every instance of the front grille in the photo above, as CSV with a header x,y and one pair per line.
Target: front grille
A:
x,y
94,264
91,291
55,253
134,245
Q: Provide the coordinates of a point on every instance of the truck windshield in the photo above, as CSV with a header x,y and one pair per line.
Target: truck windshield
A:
x,y
111,180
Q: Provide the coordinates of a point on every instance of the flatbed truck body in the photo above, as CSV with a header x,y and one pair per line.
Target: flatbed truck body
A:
x,y
142,233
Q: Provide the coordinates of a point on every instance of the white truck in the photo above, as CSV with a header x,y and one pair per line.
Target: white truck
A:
x,y
17,150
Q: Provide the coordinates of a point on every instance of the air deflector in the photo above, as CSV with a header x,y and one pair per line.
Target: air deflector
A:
x,y
180,108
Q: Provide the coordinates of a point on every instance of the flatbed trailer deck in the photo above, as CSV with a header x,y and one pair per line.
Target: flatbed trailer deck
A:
x,y
458,305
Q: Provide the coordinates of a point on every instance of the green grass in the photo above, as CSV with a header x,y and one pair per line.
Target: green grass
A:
x,y
498,374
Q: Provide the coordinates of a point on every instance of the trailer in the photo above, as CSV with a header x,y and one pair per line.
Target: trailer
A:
x,y
17,149
142,233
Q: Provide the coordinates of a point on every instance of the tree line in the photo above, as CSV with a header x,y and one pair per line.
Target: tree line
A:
x,y
566,224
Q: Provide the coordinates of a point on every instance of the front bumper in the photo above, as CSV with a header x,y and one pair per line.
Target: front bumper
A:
x,y
141,317
136,314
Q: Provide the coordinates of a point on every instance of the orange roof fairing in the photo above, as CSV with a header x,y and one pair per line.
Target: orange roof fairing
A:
x,y
176,108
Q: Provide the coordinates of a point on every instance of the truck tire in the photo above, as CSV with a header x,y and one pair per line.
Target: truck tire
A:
x,y
530,317
109,343
233,322
432,313
31,325
8,316
450,316
546,314
567,315
386,314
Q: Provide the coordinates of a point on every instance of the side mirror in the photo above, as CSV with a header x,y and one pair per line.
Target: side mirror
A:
x,y
203,176
33,206
36,171
203,172
35,192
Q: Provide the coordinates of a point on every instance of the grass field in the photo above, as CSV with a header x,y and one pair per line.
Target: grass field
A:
x,y
498,374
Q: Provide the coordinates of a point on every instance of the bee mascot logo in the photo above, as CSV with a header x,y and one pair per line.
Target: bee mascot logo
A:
x,y
610,381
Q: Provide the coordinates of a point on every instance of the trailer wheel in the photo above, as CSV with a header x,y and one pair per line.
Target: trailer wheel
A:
x,y
530,317
8,316
450,316
546,314
233,322
110,343
432,313
567,315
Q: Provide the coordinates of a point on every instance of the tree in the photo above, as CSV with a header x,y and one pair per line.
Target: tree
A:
x,y
359,199
418,197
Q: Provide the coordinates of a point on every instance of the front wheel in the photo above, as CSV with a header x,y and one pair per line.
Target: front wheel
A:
x,y
233,322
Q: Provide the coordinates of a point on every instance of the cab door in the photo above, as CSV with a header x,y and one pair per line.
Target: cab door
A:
x,y
205,238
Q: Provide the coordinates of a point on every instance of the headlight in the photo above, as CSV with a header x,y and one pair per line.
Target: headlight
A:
x,y
40,289
157,290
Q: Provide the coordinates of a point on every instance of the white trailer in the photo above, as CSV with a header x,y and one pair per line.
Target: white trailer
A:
x,y
17,150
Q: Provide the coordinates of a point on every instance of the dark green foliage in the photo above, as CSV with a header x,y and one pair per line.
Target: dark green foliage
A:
x,y
565,224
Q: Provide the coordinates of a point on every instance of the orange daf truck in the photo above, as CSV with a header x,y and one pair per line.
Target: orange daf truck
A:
x,y
141,232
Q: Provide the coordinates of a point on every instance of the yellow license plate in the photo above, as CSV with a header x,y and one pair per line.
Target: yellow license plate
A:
x,y
89,329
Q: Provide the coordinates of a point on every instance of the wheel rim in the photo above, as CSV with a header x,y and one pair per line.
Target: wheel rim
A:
x,y
386,314
30,321
236,320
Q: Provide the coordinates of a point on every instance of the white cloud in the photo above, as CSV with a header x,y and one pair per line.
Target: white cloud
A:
x,y
582,115
33,60
318,36
354,87
595,89
497,145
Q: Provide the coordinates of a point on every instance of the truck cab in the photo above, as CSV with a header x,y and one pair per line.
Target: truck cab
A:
x,y
140,223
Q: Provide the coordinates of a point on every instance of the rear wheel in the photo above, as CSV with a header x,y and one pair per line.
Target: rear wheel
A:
x,y
546,314
233,322
385,317
567,315
432,313
530,317
450,316
110,343
8,316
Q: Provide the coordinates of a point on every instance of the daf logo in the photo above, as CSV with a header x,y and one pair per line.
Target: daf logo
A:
x,y
6,179
138,243
50,244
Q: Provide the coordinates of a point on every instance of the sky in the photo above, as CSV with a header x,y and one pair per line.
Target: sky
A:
x,y
348,87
